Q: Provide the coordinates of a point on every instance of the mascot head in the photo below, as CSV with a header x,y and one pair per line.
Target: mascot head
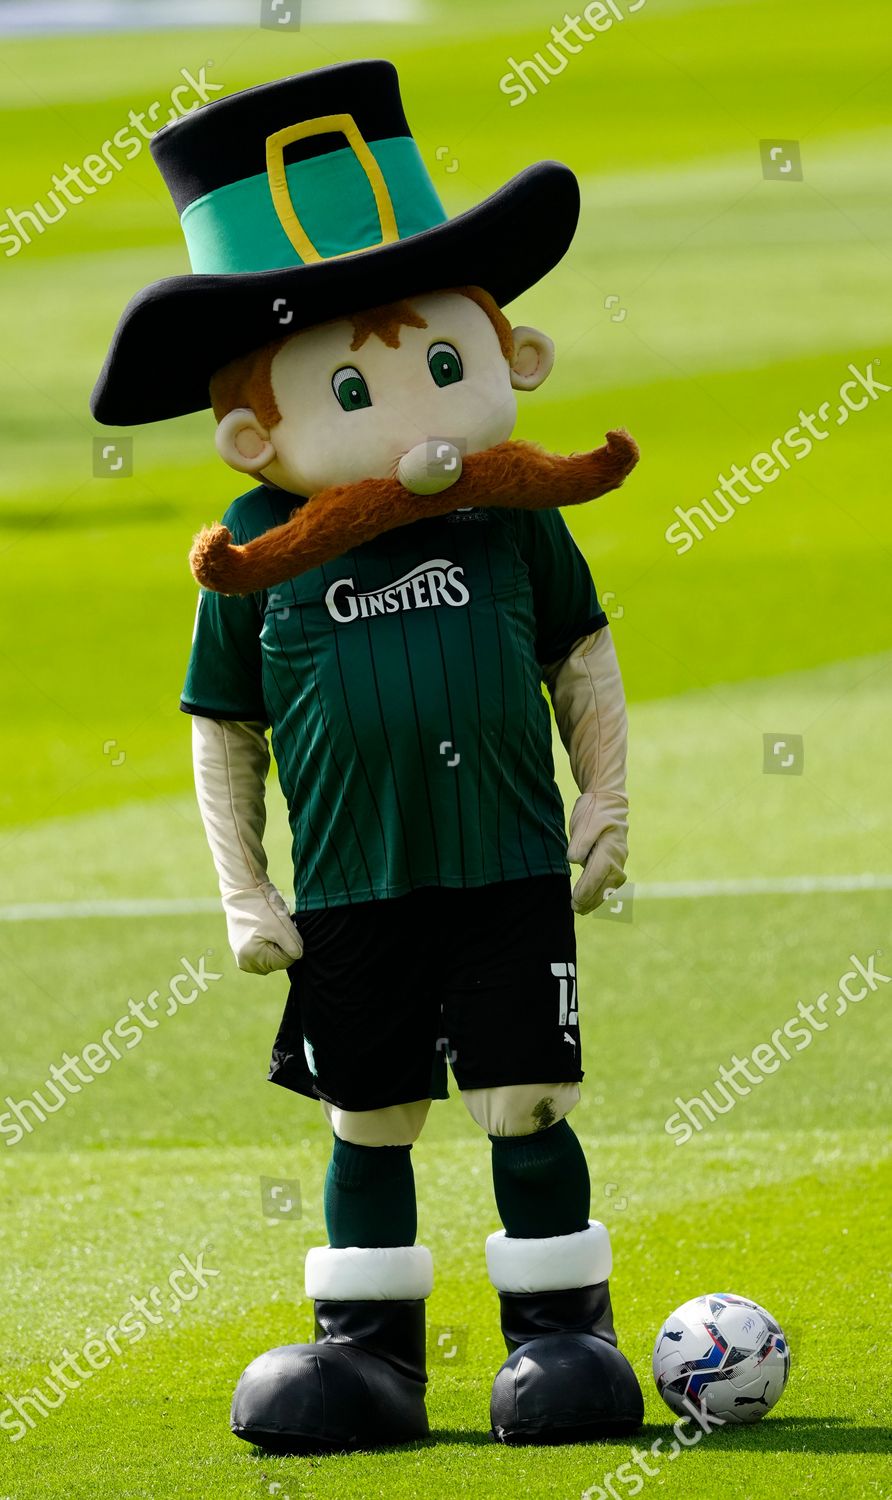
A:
x,y
348,335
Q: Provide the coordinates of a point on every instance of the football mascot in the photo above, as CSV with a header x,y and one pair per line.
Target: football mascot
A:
x,y
387,601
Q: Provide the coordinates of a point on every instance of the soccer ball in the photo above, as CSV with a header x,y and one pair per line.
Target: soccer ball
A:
x,y
724,1353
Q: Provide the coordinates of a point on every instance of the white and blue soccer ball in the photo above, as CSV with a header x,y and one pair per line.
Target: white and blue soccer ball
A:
x,y
724,1353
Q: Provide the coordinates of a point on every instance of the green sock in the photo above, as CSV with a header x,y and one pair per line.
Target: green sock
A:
x,y
370,1196
541,1183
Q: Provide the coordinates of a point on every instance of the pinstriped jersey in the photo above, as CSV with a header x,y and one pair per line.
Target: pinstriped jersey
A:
x,y
402,684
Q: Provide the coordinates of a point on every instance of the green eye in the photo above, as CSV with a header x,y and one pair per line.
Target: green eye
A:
x,y
350,389
444,363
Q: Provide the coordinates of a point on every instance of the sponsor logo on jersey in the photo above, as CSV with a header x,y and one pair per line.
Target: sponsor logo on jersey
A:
x,y
426,586
467,513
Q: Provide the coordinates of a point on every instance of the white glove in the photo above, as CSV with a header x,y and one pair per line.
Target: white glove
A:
x,y
597,841
261,934
231,764
590,709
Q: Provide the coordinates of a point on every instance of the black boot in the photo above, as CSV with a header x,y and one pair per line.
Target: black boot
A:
x,y
360,1385
564,1381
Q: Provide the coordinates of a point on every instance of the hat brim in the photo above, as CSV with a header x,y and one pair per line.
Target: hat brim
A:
x,y
175,333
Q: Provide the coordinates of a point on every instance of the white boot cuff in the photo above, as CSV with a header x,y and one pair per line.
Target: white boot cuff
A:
x,y
402,1274
552,1265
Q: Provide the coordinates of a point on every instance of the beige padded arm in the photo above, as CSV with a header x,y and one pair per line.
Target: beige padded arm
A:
x,y
231,763
586,690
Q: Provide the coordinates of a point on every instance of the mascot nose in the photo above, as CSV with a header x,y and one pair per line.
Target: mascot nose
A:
x,y
429,468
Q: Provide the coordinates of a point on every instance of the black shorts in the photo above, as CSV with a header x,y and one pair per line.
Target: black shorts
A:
x,y
388,992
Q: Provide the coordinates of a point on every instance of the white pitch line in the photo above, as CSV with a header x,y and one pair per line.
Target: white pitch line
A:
x,y
681,890
777,885
50,911
57,17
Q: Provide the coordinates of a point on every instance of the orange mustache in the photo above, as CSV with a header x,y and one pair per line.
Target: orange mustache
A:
x,y
515,475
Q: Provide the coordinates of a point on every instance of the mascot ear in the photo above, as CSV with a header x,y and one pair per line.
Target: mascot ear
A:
x,y
533,358
243,442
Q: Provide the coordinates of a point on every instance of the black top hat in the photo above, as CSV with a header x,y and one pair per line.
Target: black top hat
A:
x,y
301,201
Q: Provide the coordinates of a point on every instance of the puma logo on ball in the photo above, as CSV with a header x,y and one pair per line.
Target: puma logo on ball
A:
x,y
431,583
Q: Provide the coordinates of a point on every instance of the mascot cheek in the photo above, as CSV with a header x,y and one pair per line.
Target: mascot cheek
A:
x,y
499,418
324,448
301,454
486,403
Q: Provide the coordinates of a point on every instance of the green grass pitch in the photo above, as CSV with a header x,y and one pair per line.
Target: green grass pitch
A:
x,y
743,301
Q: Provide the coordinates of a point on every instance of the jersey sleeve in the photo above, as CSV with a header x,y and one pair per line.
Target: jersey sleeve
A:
x,y
224,676
564,596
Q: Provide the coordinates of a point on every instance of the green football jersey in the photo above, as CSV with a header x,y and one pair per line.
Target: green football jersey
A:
x,y
402,684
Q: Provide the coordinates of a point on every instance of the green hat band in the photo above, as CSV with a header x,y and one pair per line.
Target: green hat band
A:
x,y
346,200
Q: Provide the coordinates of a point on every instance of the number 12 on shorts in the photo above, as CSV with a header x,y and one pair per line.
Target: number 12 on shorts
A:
x,y
565,974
